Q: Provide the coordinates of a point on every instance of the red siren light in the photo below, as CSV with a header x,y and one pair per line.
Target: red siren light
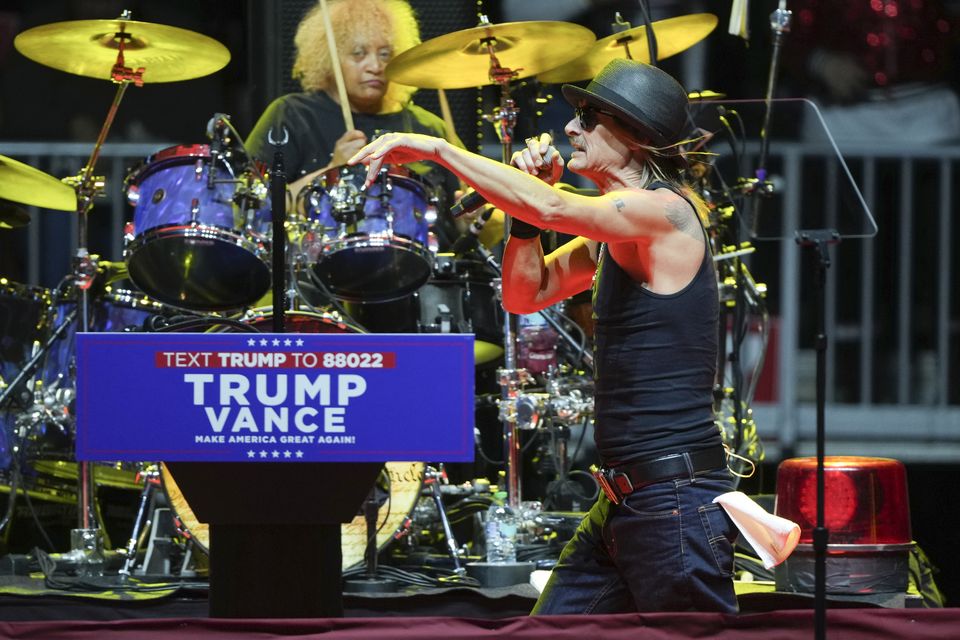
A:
x,y
867,516
865,499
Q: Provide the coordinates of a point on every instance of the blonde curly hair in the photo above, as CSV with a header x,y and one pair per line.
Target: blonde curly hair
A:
x,y
393,20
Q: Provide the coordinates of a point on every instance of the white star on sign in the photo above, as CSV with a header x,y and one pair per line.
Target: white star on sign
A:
x,y
276,342
286,454
263,342
263,454
287,342
251,342
251,453
275,453
299,342
299,454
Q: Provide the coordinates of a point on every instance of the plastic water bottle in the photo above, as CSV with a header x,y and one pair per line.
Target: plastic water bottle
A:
x,y
537,350
500,531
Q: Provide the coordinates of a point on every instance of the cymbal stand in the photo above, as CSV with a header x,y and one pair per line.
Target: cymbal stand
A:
x,y
151,480
433,477
87,187
504,119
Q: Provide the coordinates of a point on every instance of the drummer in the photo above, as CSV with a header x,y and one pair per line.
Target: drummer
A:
x,y
368,34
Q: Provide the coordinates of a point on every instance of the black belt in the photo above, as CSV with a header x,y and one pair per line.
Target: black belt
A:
x,y
619,482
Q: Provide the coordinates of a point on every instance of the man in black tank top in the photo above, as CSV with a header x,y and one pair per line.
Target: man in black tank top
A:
x,y
654,540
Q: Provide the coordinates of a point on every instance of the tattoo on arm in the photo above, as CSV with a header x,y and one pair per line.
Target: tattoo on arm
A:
x,y
678,214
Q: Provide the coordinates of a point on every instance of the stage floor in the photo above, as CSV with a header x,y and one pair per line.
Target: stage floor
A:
x,y
25,598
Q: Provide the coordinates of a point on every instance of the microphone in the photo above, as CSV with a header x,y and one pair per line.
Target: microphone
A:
x,y
218,133
218,127
467,204
469,240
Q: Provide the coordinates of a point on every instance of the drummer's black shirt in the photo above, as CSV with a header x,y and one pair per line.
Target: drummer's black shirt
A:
x,y
314,123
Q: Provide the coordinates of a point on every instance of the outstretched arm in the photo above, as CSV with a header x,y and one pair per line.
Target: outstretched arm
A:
x,y
614,217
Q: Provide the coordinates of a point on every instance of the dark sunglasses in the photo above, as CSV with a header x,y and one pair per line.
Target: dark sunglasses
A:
x,y
587,116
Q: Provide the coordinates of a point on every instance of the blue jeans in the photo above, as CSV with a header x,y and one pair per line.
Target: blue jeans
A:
x,y
666,547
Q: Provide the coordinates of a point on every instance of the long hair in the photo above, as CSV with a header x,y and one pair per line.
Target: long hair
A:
x,y
668,164
393,20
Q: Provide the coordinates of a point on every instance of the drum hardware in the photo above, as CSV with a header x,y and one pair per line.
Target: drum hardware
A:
x,y
101,49
563,404
368,245
44,430
142,522
433,477
346,201
495,54
7,394
371,581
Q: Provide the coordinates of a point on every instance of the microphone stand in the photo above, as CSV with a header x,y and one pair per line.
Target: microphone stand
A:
x,y
278,213
779,24
820,239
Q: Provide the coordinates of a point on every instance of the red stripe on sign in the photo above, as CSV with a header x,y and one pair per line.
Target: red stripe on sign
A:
x,y
275,359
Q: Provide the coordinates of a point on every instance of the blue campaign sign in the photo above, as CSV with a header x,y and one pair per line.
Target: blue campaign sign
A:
x,y
268,397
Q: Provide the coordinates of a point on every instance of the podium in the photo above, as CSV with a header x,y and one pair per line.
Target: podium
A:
x,y
275,440
275,532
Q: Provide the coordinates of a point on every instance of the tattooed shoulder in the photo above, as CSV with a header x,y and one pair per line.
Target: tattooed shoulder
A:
x,y
680,215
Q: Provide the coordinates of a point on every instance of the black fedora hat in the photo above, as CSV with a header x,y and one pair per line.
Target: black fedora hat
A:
x,y
641,95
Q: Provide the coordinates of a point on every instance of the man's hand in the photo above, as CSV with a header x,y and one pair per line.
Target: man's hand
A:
x,y
540,158
348,144
396,148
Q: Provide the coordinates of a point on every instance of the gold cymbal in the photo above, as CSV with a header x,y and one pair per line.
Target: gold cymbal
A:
x,y
89,48
460,59
24,184
673,36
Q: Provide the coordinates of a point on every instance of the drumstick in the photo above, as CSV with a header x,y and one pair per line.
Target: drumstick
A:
x,y
447,115
337,71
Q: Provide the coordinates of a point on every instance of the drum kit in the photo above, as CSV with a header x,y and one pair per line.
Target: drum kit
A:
x,y
199,249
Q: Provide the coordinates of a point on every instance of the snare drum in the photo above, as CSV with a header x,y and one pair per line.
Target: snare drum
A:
x,y
369,246
200,237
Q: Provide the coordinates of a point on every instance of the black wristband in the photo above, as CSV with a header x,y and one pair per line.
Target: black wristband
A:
x,y
521,229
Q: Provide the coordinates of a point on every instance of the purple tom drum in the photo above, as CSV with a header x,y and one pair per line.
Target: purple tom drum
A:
x,y
200,237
